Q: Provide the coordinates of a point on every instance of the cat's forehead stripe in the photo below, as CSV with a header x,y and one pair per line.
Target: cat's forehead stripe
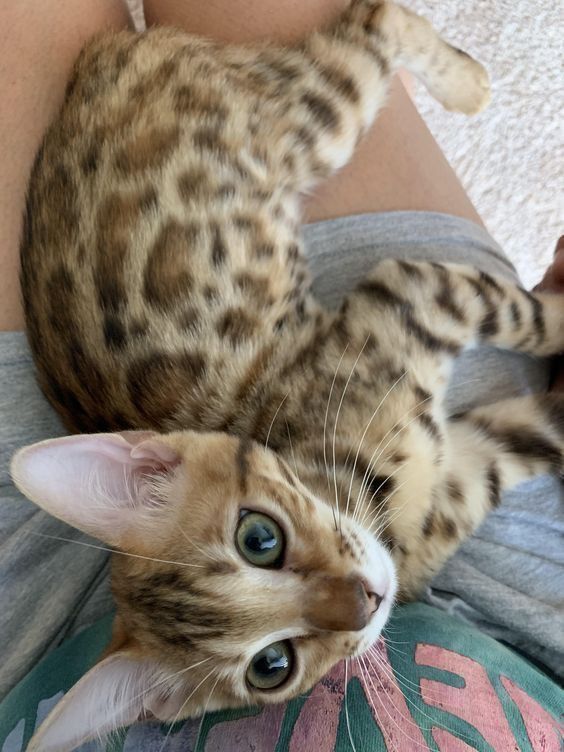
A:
x,y
288,500
242,462
285,472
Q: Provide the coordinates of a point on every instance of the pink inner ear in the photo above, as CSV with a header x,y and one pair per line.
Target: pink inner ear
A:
x,y
99,483
146,446
153,451
113,694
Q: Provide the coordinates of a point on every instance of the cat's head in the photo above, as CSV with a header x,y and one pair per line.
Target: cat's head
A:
x,y
236,585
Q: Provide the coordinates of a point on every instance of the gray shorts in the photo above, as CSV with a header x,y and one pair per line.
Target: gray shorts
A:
x,y
508,578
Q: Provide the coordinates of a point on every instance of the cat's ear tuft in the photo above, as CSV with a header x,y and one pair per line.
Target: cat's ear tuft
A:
x,y
108,485
118,691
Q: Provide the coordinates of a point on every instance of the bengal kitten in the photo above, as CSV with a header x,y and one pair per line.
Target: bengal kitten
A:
x,y
292,471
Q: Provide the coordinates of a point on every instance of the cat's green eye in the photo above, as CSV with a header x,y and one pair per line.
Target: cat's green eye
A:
x,y
271,666
260,540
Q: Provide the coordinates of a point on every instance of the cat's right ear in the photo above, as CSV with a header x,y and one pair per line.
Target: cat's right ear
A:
x,y
118,691
112,486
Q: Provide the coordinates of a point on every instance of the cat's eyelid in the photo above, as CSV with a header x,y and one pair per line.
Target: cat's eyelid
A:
x,y
283,635
266,508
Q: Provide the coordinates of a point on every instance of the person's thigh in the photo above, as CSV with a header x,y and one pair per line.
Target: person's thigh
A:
x,y
38,45
398,166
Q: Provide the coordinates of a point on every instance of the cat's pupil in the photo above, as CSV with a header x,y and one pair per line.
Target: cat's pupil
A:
x,y
260,538
271,666
270,662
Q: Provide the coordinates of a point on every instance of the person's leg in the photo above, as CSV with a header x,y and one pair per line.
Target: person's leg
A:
x,y
52,587
398,166
38,45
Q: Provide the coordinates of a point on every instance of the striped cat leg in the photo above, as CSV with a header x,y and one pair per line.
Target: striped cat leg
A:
x,y
317,102
449,306
407,40
513,440
321,97
489,449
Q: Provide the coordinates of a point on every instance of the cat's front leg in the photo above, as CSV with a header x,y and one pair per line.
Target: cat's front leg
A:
x,y
512,440
443,308
488,450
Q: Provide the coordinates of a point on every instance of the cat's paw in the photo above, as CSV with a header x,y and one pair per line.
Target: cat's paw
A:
x,y
465,85
470,92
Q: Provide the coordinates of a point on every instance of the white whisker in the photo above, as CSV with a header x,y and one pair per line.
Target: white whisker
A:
x,y
380,664
374,459
115,551
337,422
386,523
196,546
204,713
292,451
367,510
165,680
393,673
347,705
365,432
177,716
396,724
386,640
371,519
325,428
284,398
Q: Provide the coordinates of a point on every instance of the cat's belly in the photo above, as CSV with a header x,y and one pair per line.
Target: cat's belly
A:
x,y
151,302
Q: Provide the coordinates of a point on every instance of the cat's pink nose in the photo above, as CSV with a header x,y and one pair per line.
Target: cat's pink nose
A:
x,y
374,598
340,604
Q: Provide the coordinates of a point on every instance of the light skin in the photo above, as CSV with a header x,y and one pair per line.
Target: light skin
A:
x,y
553,281
398,166
39,43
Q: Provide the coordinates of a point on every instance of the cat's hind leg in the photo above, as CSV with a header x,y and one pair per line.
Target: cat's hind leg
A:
x,y
319,98
408,40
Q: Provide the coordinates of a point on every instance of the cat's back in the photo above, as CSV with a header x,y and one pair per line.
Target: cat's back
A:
x,y
159,251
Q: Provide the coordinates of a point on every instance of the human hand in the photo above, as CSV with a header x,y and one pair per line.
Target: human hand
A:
x,y
553,281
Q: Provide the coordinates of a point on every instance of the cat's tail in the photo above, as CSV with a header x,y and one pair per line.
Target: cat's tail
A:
x,y
405,39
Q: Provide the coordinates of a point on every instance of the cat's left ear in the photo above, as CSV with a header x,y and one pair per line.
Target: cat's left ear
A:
x,y
111,486
120,690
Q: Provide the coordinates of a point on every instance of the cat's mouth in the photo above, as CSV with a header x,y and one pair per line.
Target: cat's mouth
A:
x,y
377,600
371,633
380,582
